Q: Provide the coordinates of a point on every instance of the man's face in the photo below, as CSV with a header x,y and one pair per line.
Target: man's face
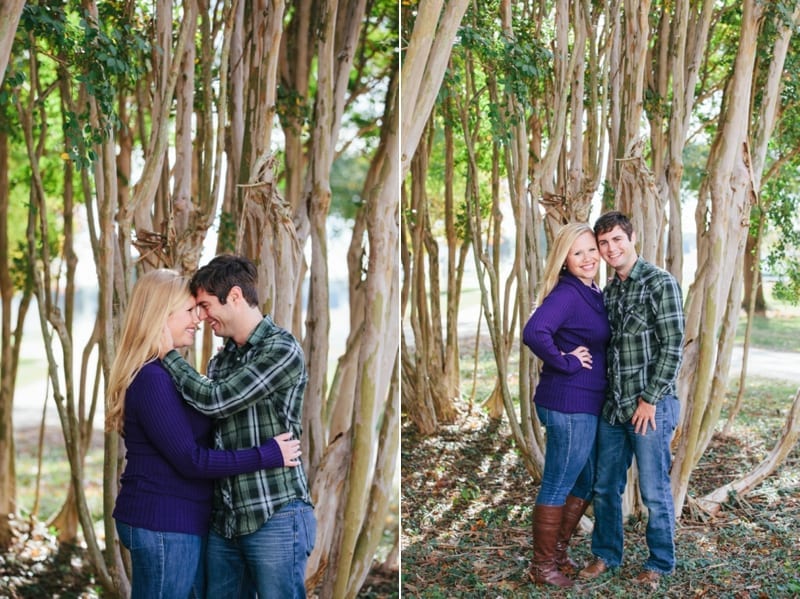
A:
x,y
617,250
216,315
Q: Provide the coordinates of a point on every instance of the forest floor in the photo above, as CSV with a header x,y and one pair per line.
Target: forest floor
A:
x,y
37,567
467,502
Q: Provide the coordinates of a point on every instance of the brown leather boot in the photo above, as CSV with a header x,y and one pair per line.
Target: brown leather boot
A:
x,y
546,523
573,510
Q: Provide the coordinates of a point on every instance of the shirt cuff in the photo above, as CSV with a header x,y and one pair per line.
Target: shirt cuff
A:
x,y
649,398
171,359
271,456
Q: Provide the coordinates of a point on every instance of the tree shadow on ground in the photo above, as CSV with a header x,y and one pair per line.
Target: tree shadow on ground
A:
x,y
467,504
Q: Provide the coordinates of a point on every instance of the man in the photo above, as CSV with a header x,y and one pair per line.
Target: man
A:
x,y
645,311
262,524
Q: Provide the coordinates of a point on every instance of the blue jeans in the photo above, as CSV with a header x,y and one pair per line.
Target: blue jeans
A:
x,y
617,444
569,456
163,564
270,562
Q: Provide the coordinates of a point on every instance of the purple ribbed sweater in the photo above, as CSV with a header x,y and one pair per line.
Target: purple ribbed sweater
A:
x,y
571,315
168,481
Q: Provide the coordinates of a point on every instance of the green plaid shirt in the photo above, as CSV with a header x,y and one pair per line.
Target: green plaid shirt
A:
x,y
255,392
646,316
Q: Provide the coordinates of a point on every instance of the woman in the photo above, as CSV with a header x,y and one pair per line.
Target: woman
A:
x,y
569,332
164,503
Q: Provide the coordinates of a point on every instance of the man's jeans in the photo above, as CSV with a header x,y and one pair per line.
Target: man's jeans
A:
x,y
617,444
569,456
270,561
163,564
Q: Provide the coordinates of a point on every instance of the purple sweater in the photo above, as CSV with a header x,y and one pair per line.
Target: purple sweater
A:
x,y
168,481
572,315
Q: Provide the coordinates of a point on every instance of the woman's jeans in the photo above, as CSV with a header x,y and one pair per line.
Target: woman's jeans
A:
x,y
617,444
270,561
569,456
163,564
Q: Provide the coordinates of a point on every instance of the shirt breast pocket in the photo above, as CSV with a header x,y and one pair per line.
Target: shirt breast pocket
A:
x,y
635,322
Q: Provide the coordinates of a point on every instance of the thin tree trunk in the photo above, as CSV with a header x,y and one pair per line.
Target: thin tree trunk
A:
x,y
381,491
348,392
295,66
9,362
751,300
10,13
379,343
728,193
790,434
424,66
427,398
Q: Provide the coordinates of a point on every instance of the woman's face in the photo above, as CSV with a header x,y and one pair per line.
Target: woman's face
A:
x,y
583,258
183,323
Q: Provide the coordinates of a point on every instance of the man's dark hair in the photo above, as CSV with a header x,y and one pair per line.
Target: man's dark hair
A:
x,y
224,272
609,220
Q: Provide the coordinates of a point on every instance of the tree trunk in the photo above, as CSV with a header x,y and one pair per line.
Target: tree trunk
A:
x,y
712,502
338,26
764,125
727,195
381,493
266,234
295,66
425,392
8,364
752,276
635,187
10,12
379,342
424,67
264,21
457,249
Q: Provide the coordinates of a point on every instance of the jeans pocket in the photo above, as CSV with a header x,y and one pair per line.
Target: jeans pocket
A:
x,y
309,524
674,412
125,534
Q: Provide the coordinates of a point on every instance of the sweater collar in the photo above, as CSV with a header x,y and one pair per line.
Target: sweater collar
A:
x,y
592,294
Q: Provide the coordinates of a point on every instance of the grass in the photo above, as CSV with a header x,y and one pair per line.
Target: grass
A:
x,y
766,402
779,332
55,475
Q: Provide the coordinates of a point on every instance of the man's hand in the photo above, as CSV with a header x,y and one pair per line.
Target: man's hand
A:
x,y
645,414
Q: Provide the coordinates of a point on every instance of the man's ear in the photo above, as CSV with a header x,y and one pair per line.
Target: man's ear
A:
x,y
235,294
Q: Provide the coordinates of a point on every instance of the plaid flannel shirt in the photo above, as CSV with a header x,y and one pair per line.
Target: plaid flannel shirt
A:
x,y
645,312
255,392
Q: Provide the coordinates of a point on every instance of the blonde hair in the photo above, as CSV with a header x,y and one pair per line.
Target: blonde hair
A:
x,y
156,295
557,257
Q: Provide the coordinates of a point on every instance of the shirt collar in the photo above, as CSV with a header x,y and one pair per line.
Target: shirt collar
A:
x,y
261,332
635,272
